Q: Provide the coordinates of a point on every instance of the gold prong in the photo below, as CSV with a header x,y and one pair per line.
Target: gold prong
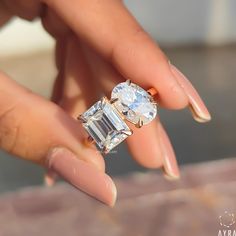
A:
x,y
103,101
139,124
105,150
152,91
128,81
127,132
89,141
81,118
113,100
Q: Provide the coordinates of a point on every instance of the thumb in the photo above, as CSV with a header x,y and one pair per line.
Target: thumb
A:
x,y
38,130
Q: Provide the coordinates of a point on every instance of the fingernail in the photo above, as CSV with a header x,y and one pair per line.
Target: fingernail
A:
x,y
50,178
170,166
82,175
197,107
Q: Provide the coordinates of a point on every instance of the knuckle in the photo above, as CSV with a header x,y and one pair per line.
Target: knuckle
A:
x,y
9,129
135,38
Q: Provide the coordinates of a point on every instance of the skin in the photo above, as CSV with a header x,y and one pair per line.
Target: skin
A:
x,y
98,44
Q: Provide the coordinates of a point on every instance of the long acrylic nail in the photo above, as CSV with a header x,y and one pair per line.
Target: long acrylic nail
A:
x,y
82,175
197,107
170,165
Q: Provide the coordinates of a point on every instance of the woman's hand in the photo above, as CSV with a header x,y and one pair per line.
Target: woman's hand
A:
x,y
98,44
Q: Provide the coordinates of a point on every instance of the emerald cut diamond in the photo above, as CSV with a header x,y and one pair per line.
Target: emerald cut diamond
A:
x,y
105,125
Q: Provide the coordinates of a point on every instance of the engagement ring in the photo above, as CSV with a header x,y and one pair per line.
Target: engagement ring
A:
x,y
105,120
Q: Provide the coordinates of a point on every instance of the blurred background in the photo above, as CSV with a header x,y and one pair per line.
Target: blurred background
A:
x,y
198,36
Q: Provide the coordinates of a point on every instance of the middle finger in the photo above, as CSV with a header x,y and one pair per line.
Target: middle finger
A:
x,y
150,145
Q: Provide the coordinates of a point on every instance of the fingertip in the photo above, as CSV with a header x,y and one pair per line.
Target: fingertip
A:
x,y
82,175
174,104
169,176
50,178
196,105
170,165
111,199
145,147
173,95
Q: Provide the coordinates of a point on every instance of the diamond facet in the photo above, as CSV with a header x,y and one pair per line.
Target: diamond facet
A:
x,y
134,103
105,125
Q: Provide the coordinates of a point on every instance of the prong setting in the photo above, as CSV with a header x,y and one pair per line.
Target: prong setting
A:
x,y
89,141
152,92
134,102
103,101
113,100
127,132
81,118
128,81
139,124
105,150
105,125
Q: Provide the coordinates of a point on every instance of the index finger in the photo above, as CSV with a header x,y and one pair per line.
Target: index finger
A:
x,y
112,31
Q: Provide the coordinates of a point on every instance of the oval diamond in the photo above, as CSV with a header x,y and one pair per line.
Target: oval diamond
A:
x,y
134,103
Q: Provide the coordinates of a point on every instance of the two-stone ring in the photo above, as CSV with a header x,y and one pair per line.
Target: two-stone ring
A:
x,y
105,120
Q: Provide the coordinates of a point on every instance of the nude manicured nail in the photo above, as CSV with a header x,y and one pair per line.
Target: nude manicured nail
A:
x,y
50,178
170,165
82,175
199,110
